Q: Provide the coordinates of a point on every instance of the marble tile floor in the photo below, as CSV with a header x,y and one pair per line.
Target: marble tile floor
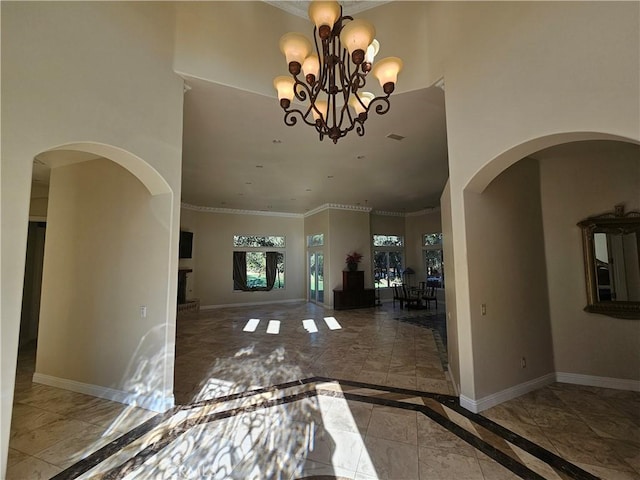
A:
x,y
391,415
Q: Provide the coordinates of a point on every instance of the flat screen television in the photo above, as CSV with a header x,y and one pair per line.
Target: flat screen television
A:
x,y
186,244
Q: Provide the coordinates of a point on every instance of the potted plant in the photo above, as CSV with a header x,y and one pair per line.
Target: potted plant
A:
x,y
352,261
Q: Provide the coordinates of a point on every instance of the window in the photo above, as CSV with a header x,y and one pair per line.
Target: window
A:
x,y
258,241
315,240
429,239
388,257
388,241
258,267
432,258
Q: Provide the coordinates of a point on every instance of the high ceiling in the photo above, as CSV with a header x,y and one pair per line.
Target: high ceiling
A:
x,y
238,153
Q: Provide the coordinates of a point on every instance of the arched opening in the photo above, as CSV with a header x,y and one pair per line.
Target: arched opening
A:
x,y
525,268
104,326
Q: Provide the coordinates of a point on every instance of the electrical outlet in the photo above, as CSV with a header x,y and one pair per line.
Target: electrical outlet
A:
x,y
484,309
523,362
143,311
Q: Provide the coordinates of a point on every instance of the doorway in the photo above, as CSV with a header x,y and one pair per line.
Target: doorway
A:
x,y
316,277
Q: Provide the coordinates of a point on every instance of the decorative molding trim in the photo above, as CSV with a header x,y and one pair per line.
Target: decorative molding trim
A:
x,y
250,304
233,211
321,208
477,406
153,403
388,214
337,206
593,381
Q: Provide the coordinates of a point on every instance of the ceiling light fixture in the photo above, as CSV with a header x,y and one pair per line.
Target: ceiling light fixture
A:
x,y
335,75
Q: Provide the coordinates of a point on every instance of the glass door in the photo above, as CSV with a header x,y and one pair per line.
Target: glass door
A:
x,y
316,277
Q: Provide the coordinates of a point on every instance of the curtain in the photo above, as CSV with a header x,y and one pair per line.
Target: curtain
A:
x,y
272,268
240,271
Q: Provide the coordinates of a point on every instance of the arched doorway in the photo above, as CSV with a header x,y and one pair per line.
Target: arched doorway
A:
x,y
525,269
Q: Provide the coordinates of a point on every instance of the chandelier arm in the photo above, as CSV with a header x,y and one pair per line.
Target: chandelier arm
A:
x,y
360,128
301,90
382,106
290,118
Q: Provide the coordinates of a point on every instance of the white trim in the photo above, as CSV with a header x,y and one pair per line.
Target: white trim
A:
x,y
153,403
388,214
593,381
337,206
497,398
250,304
321,208
233,211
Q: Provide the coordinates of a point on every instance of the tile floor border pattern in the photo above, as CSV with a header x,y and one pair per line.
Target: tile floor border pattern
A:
x,y
434,408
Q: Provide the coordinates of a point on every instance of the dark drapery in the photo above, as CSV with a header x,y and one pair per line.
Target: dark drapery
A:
x,y
240,271
272,268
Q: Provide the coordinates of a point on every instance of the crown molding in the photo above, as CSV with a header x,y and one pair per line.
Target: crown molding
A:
x,y
388,214
234,211
321,208
337,206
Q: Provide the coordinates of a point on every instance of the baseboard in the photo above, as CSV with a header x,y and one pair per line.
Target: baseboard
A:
x,y
147,402
250,304
593,381
492,400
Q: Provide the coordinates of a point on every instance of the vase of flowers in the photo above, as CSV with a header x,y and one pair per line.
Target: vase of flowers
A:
x,y
352,261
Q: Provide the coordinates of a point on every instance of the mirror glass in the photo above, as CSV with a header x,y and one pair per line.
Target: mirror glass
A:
x,y
617,266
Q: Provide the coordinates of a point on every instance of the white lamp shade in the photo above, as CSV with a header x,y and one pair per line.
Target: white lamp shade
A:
x,y
372,51
295,46
357,35
284,86
311,65
387,69
365,97
324,13
323,107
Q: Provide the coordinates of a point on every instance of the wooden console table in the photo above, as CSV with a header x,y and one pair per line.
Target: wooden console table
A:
x,y
353,294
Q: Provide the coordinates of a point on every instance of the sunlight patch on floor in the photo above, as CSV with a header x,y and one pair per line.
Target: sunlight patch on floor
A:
x,y
332,323
251,325
310,325
273,327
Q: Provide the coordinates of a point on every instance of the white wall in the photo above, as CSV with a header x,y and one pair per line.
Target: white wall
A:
x,y
507,273
602,174
103,261
97,72
520,76
213,267
349,231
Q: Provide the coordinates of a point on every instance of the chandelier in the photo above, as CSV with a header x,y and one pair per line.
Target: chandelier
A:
x,y
331,91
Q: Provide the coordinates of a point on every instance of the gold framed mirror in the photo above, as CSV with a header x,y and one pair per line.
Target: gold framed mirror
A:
x,y
611,246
